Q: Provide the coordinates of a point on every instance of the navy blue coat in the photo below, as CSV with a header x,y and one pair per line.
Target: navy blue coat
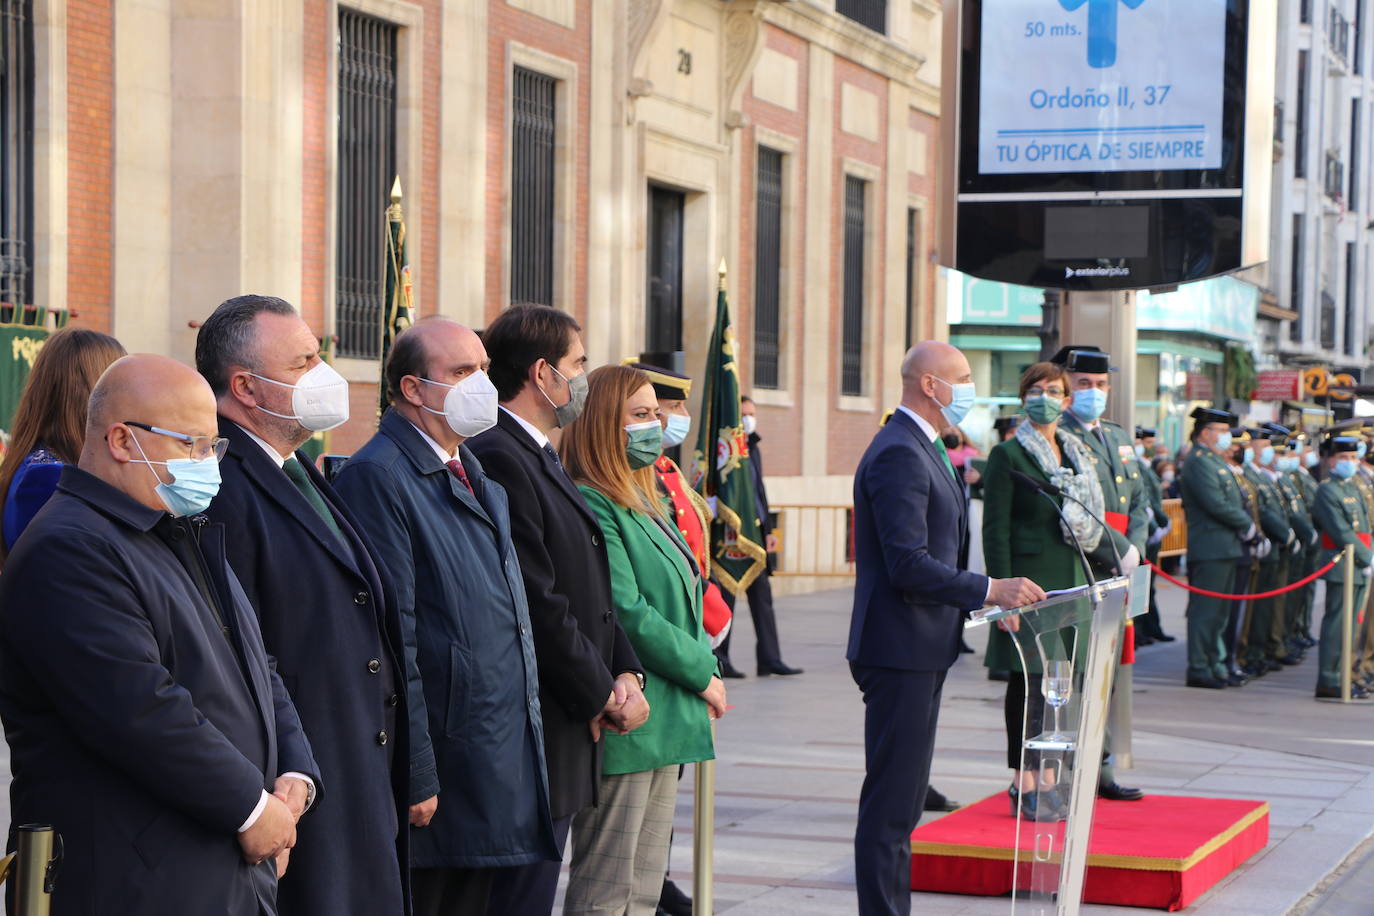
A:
x,y
138,727
910,516
327,617
466,622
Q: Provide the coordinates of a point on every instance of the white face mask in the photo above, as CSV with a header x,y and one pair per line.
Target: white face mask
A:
x,y
319,398
469,406
749,424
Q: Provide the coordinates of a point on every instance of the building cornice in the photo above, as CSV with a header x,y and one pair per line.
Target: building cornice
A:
x,y
828,29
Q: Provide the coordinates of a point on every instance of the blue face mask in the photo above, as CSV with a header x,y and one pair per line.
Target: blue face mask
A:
x,y
1247,457
1266,457
1289,463
675,433
1343,470
194,483
1361,449
1223,442
1139,450
960,403
1088,404
644,443
1310,459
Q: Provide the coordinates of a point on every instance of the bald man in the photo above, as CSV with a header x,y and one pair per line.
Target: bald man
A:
x,y
910,515
442,531
145,722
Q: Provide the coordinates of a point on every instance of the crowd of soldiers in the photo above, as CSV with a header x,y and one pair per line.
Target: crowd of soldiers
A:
x,y
1267,507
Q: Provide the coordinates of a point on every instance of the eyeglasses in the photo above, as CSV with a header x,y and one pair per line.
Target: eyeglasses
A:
x,y
201,447
1045,392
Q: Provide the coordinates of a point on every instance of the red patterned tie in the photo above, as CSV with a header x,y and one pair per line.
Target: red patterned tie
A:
x,y
456,467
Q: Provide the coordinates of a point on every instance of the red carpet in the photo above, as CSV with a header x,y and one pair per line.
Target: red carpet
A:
x,y
1162,852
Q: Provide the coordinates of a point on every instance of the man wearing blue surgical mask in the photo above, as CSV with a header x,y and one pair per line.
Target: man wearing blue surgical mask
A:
x,y
1126,502
326,611
1344,522
910,514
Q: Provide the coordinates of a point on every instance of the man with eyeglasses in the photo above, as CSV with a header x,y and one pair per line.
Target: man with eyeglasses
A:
x,y
325,607
144,718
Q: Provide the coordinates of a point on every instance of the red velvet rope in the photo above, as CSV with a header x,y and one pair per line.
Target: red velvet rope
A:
x,y
1271,594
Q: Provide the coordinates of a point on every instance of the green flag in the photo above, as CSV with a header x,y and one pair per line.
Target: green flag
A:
x,y
396,318
722,471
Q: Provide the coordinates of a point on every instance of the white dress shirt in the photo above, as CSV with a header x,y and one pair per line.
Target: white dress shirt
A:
x,y
539,438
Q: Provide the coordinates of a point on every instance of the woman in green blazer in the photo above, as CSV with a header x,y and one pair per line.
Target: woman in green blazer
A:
x,y
620,847
1023,535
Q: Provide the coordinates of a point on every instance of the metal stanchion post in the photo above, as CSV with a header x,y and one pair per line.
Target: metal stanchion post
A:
x,y
1347,616
703,837
35,870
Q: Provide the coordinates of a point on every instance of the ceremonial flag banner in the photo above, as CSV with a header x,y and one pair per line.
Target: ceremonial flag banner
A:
x,y
722,472
396,318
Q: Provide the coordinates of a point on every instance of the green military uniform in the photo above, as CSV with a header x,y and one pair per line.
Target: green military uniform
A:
x,y
1123,491
1364,643
1217,522
1341,518
1282,624
1150,624
1273,567
1300,618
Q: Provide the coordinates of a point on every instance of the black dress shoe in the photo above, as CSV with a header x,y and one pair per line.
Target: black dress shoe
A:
x,y
1210,683
729,670
965,648
936,801
1142,640
778,668
998,675
1237,679
1306,641
672,901
1334,693
1161,636
1116,792
1289,660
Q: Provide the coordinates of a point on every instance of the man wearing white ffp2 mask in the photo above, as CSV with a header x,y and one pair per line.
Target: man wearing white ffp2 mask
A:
x,y
311,574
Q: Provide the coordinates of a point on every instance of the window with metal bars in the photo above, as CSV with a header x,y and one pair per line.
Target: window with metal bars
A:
x,y
1300,126
367,167
767,268
1295,280
533,110
913,271
16,152
870,13
852,330
1352,331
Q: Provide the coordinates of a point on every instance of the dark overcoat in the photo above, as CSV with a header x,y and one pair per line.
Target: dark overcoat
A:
x,y
143,723
462,603
577,637
327,617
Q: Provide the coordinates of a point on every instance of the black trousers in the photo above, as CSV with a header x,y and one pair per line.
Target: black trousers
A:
x,y
451,891
901,711
528,890
766,649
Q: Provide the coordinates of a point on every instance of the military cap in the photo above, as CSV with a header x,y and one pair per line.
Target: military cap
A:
x,y
1145,432
1335,445
1278,430
670,385
1206,415
1082,359
1259,433
1239,435
1005,424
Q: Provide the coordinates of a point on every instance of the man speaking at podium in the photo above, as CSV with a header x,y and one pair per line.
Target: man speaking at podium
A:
x,y
910,512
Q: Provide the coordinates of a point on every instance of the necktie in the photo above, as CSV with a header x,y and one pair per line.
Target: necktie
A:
x,y
944,456
297,476
456,467
553,454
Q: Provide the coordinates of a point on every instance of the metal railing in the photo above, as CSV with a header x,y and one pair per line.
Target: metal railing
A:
x,y
815,540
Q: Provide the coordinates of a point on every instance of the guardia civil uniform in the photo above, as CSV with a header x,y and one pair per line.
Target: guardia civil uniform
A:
x,y
1149,625
1300,619
1364,649
1280,644
1259,656
1217,525
1343,520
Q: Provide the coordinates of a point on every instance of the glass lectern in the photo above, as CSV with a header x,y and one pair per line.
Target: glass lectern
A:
x,y
1074,638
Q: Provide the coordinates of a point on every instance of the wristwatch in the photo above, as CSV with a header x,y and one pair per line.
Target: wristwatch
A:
x,y
639,675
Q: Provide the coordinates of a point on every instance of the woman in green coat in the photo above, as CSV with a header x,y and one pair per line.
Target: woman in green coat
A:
x,y
620,847
1023,535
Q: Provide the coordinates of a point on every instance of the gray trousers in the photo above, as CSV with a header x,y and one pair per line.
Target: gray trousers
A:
x,y
620,847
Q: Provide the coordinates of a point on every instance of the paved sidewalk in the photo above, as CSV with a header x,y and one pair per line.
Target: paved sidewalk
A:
x,y
791,763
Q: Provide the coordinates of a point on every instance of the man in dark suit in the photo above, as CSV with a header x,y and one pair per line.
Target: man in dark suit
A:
x,y
443,532
589,675
323,604
767,652
144,719
909,516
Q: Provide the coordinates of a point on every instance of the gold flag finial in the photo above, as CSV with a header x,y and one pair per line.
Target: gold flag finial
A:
x,y
396,190
721,271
